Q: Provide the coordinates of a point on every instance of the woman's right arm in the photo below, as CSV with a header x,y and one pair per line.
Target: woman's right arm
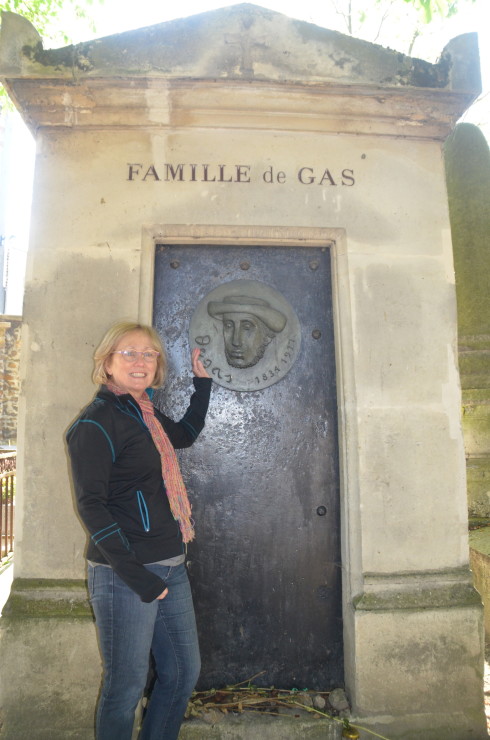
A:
x,y
92,450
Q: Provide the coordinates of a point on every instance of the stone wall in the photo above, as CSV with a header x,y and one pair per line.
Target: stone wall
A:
x,y
10,338
467,159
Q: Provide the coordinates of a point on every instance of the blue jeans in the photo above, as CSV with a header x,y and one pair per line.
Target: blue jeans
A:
x,y
128,629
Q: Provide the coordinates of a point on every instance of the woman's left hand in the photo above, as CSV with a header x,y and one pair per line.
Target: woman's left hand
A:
x,y
197,367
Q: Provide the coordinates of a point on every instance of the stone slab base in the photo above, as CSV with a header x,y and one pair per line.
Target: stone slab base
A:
x,y
255,727
418,669
418,663
453,725
239,728
50,677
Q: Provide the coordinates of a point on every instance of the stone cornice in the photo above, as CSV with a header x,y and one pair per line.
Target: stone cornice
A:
x,y
238,67
126,103
422,590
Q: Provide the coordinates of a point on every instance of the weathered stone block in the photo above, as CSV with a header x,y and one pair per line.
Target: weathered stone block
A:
x,y
441,629
47,631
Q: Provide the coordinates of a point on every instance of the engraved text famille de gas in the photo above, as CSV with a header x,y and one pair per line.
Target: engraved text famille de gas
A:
x,y
239,174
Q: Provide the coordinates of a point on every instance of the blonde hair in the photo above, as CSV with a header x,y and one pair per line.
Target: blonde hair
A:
x,y
110,341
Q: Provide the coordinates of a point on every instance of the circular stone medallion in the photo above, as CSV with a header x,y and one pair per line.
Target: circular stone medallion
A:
x,y
248,334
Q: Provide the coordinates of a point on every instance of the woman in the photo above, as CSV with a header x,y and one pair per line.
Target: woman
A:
x,y
132,500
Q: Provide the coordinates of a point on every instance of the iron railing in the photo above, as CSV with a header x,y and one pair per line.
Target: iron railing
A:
x,y
7,504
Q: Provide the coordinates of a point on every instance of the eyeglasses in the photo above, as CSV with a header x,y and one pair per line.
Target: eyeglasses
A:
x,y
130,355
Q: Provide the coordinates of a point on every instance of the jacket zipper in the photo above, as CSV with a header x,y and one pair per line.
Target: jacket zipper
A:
x,y
145,517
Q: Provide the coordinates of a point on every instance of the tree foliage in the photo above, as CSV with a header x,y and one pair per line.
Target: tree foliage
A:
x,y
49,18
443,8
45,15
390,21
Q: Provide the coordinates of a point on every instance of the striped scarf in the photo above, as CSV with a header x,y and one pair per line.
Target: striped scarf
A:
x,y
174,485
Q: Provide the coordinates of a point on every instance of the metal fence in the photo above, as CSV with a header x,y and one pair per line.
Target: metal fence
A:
x,y
7,503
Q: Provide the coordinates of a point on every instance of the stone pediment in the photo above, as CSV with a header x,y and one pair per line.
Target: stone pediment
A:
x,y
235,45
239,42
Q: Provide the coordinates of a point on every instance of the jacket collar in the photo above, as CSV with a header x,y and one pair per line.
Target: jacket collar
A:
x,y
125,402
105,394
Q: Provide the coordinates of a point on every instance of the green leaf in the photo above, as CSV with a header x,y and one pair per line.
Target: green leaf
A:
x,y
44,14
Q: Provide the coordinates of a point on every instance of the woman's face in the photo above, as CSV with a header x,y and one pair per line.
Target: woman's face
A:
x,y
132,376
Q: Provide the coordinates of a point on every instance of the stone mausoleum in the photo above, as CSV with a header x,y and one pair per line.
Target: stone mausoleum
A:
x,y
243,158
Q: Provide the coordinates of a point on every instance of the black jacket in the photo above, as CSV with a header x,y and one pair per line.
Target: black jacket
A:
x,y
119,489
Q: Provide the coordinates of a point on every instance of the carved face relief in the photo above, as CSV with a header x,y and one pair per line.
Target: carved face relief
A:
x,y
250,337
245,339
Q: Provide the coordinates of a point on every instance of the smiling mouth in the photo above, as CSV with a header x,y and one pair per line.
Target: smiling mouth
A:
x,y
138,375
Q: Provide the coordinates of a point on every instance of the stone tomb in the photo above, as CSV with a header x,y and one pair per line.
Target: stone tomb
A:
x,y
245,130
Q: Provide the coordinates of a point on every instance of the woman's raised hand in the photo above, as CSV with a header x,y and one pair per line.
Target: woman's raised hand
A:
x,y
197,367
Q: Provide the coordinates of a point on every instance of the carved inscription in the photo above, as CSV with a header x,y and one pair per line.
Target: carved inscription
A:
x,y
248,333
325,176
189,172
274,373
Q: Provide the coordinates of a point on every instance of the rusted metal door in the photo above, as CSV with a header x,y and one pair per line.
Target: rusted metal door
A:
x,y
263,478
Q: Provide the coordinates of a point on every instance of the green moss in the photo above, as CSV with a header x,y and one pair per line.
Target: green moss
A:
x,y
439,597
475,362
476,394
67,584
467,160
46,597
480,540
67,58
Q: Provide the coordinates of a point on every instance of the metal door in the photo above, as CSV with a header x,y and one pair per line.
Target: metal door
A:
x,y
263,477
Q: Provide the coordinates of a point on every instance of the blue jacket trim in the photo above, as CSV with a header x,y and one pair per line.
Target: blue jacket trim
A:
x,y
191,429
104,529
139,413
137,416
145,517
91,421
113,529
124,539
